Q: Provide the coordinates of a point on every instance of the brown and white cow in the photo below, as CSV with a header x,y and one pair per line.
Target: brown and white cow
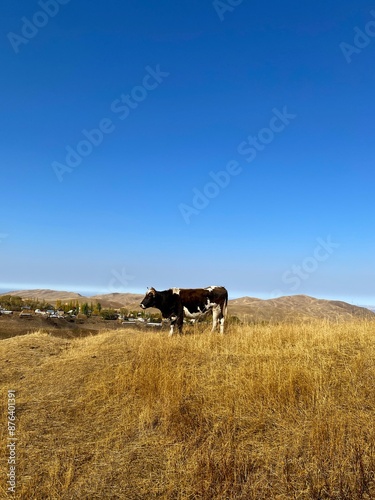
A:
x,y
176,303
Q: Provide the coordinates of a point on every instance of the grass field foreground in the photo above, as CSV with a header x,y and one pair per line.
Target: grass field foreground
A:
x,y
263,412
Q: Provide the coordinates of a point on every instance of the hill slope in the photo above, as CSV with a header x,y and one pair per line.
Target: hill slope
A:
x,y
295,307
265,410
129,300
51,296
46,294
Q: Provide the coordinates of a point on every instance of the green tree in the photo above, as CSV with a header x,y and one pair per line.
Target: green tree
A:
x,y
71,306
108,314
124,311
96,309
85,309
16,303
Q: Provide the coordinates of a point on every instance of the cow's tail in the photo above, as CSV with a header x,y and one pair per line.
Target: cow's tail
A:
x,y
225,308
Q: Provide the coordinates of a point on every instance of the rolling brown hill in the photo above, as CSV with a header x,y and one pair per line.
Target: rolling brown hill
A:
x,y
248,309
295,307
128,300
46,294
52,296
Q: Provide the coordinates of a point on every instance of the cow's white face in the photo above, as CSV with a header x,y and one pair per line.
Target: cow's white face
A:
x,y
149,298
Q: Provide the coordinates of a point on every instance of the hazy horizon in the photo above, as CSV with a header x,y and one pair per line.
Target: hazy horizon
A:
x,y
232,294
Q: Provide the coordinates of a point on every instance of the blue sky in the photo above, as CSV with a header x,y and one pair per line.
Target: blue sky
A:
x,y
187,144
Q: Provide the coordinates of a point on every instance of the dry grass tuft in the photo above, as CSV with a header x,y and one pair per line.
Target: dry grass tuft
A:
x,y
264,412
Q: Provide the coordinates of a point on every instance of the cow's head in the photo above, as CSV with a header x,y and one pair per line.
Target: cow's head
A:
x,y
149,299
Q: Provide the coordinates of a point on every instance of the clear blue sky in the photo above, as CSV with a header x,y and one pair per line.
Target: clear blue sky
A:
x,y
188,143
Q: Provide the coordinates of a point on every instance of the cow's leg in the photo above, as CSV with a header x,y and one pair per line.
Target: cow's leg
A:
x,y
215,317
173,321
176,320
222,325
180,322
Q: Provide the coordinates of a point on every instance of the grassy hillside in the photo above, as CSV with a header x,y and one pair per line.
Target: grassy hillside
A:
x,y
263,412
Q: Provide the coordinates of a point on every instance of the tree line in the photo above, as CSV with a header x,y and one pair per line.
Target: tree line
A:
x,y
16,303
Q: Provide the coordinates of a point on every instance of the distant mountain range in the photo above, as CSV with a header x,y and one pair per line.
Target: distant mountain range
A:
x,y
371,308
115,300
294,307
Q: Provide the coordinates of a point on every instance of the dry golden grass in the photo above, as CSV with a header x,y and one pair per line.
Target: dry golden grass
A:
x,y
264,412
